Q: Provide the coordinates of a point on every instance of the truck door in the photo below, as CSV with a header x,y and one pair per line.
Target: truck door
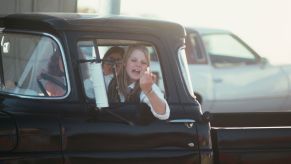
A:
x,y
126,132
29,130
8,137
29,137
120,135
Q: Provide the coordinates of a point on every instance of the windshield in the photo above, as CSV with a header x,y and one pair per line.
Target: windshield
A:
x,y
32,65
185,71
226,50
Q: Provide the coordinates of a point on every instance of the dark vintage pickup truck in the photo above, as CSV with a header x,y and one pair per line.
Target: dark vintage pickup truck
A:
x,y
77,124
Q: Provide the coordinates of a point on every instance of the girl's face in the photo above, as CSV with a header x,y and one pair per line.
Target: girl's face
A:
x,y
114,57
136,65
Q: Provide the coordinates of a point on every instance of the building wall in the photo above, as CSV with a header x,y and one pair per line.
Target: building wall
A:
x,y
19,6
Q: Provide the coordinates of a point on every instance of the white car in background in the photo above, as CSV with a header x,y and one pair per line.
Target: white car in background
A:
x,y
228,76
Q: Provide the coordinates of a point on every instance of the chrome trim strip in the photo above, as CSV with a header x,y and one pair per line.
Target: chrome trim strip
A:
x,y
65,65
255,127
182,121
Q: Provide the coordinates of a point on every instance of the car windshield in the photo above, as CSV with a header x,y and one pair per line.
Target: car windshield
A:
x,y
226,50
31,65
185,71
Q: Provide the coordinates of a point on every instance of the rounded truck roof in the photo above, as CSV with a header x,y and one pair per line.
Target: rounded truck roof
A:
x,y
89,22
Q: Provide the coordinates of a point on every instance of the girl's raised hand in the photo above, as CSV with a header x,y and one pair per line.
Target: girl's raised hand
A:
x,y
147,80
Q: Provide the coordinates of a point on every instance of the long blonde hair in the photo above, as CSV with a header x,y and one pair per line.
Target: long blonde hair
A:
x,y
123,80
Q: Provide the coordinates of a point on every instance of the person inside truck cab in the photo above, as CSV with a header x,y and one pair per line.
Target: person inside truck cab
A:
x,y
111,63
135,83
52,82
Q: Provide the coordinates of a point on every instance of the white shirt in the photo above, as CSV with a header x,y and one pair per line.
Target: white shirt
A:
x,y
143,98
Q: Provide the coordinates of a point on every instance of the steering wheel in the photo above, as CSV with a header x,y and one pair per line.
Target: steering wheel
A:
x,y
51,79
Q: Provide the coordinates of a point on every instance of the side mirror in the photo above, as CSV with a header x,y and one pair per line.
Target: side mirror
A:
x,y
207,116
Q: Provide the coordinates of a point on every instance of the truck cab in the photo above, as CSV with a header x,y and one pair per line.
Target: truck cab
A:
x,y
76,123
229,76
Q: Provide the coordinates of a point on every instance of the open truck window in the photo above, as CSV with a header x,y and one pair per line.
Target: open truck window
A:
x,y
91,50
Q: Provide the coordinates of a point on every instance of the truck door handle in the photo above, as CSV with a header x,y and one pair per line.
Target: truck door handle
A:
x,y
188,122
